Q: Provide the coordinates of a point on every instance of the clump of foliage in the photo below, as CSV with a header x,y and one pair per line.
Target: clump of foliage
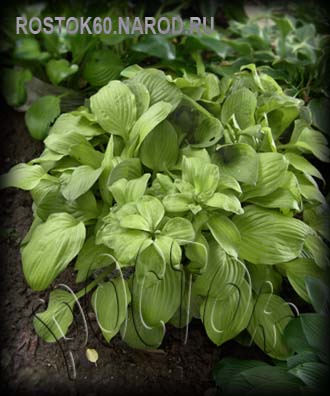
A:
x,y
178,198
305,372
59,71
289,49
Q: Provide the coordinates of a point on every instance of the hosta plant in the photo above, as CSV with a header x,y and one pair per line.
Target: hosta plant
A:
x,y
305,372
178,198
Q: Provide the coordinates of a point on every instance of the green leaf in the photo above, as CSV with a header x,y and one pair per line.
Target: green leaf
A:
x,y
63,143
159,150
315,327
281,380
264,278
297,271
128,169
220,276
177,202
126,243
204,177
301,164
155,45
170,248
271,168
81,180
309,189
207,133
52,246
302,357
270,316
179,229
287,196
197,253
60,69
150,266
318,250
281,110
225,233
227,202
242,103
142,96
115,108
41,115
28,48
318,217
166,297
23,176
318,108
159,87
313,374
51,201
80,121
308,140
125,191
151,209
109,302
135,222
137,334
101,66
224,318
91,257
13,85
318,293
54,322
226,369
148,121
239,161
295,337
284,241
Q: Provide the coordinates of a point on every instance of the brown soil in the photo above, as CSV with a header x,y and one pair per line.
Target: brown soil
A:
x,y
30,366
